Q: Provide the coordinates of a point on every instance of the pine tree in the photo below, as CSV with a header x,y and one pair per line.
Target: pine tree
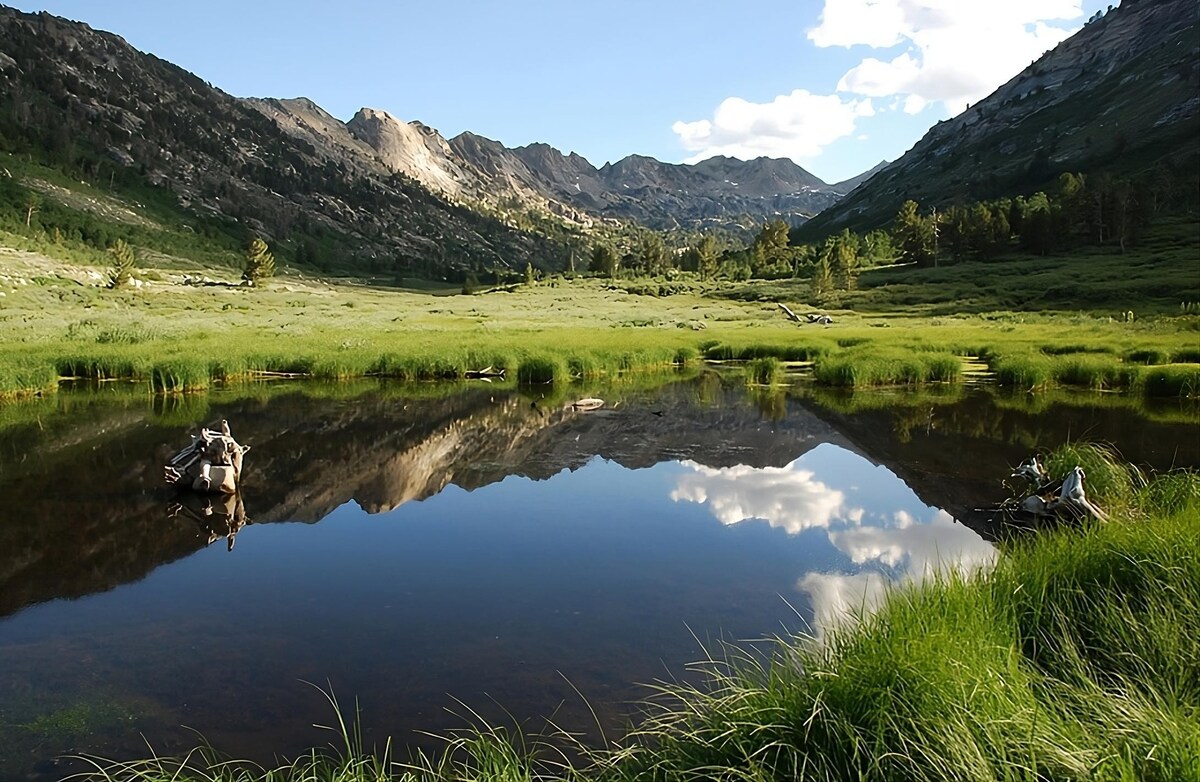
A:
x,y
604,261
914,234
122,269
707,257
260,263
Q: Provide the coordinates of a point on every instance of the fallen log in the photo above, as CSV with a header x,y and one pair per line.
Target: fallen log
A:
x,y
487,373
791,315
1048,497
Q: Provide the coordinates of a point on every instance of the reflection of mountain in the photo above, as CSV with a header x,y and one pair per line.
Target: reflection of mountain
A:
x,y
955,455
82,509
89,515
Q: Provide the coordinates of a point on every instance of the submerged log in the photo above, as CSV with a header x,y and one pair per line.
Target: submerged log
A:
x,y
487,373
590,403
211,463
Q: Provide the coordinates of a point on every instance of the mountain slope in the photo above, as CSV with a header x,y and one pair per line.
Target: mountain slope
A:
x,y
88,103
1120,96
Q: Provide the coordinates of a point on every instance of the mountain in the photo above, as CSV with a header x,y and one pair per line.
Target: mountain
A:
x,y
475,170
853,182
1121,96
86,103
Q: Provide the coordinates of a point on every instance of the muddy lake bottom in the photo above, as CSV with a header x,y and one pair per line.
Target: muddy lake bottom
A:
x,y
486,550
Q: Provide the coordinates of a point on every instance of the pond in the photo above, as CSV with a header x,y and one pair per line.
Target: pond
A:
x,y
438,551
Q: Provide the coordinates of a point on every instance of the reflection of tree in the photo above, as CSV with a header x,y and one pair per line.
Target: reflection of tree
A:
x,y
217,515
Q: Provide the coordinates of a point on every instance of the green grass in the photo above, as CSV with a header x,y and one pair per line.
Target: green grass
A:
x,y
874,367
1073,658
58,319
766,371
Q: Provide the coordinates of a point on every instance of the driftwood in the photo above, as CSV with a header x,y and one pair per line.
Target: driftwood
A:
x,y
591,403
487,373
823,320
211,463
1047,497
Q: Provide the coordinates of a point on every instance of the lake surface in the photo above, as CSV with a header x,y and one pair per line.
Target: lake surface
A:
x,y
430,550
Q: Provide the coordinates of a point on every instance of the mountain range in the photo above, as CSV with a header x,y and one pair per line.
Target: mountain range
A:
x,y
472,169
388,193
381,194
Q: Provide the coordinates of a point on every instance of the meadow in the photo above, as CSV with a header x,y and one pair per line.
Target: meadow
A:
x,y
60,321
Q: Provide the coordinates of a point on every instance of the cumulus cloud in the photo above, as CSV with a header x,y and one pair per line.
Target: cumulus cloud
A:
x,y
798,126
957,51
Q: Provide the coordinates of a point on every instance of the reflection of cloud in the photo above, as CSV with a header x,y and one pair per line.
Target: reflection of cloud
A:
x,y
885,533
920,548
911,549
785,497
836,596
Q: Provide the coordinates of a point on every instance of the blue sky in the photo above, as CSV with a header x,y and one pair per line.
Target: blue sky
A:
x,y
836,85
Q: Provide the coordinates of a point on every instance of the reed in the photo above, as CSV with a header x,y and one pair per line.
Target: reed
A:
x,y
886,367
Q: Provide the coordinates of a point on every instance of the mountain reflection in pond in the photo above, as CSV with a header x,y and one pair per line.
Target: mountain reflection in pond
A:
x,y
471,546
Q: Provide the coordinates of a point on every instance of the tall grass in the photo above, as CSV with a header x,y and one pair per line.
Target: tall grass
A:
x,y
765,371
881,367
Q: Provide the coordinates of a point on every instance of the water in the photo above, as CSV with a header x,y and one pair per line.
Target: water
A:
x,y
434,553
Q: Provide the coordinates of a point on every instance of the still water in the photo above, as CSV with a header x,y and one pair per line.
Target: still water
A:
x,y
430,551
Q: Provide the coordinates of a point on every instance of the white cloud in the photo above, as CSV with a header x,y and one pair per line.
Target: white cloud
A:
x,y
797,126
958,51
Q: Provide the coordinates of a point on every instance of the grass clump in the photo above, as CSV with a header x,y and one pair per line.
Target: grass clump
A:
x,y
766,371
878,367
543,369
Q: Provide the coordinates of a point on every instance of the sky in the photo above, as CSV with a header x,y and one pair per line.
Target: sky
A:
x,y
835,85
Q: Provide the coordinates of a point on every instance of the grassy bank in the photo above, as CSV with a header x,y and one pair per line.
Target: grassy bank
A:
x,y
1074,658
171,337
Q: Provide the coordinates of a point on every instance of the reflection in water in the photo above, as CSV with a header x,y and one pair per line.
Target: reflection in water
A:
x,y
867,513
467,544
789,498
218,516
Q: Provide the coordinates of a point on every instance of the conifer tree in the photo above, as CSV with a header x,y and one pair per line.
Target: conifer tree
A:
x,y
260,263
122,269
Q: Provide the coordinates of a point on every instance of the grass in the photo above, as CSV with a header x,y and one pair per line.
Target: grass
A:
x,y
1073,658
59,321
858,368
766,371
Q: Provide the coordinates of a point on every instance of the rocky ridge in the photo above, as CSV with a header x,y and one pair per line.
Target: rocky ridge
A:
x,y
1120,97
473,169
